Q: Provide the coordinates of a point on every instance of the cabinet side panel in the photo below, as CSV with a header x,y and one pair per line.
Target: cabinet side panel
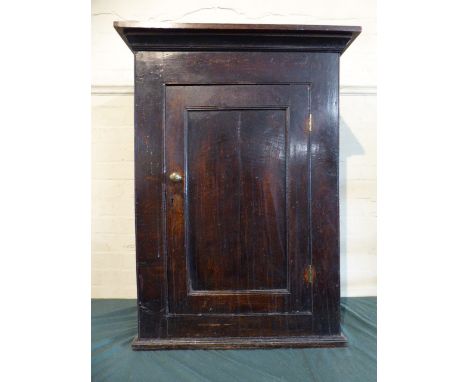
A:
x,y
324,197
149,191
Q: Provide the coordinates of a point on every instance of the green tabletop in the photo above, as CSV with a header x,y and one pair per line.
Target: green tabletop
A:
x,y
114,324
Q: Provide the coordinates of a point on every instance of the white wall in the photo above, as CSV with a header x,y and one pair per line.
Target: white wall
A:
x,y
113,243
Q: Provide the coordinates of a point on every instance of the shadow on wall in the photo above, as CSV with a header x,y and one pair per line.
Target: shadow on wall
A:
x,y
349,146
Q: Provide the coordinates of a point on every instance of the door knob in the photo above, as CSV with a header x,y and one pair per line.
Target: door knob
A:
x,y
175,177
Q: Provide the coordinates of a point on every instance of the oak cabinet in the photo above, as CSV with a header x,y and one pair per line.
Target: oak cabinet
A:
x,y
236,184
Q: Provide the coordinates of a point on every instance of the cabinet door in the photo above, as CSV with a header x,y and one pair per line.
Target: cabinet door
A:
x,y
237,217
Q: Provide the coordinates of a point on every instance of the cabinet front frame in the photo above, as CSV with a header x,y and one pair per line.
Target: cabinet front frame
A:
x,y
153,72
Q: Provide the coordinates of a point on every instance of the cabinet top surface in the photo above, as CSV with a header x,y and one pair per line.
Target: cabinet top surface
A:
x,y
259,28
156,36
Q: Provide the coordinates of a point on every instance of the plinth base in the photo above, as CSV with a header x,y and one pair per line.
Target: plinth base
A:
x,y
239,342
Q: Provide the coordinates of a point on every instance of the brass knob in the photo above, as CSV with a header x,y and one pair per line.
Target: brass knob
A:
x,y
175,177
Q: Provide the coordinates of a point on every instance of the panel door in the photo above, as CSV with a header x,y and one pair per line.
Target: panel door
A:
x,y
237,199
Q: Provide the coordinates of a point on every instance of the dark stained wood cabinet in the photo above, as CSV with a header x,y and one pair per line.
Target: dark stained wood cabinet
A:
x,y
236,184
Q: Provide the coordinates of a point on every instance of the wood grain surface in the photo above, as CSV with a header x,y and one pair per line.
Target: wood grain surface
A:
x,y
243,250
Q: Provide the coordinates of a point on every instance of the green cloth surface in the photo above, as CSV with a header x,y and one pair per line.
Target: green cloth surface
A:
x,y
114,324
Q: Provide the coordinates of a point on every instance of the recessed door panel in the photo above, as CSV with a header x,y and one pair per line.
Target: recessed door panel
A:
x,y
236,199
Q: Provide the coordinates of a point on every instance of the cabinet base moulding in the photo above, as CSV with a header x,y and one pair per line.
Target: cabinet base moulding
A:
x,y
239,342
